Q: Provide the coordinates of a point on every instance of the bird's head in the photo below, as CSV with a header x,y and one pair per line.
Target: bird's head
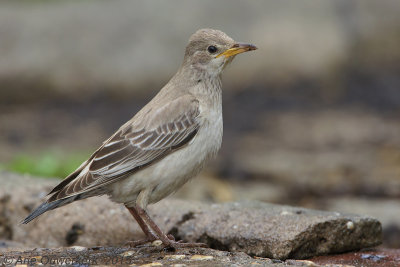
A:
x,y
208,51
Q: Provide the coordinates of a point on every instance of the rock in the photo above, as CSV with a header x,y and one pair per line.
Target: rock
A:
x,y
18,195
279,232
252,227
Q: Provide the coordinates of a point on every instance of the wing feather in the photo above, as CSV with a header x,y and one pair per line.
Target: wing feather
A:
x,y
135,146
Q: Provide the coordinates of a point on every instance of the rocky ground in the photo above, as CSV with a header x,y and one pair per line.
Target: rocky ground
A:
x,y
240,233
155,256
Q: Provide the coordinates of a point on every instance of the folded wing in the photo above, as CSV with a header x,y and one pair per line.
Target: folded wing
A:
x,y
134,146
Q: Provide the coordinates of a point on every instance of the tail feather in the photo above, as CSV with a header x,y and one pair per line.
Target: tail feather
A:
x,y
46,206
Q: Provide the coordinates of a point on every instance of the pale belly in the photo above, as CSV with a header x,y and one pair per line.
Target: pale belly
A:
x,y
167,175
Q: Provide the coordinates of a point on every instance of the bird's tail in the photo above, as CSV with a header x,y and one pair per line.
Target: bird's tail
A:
x,y
46,206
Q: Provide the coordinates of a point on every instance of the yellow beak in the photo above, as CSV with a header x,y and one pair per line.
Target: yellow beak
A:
x,y
237,49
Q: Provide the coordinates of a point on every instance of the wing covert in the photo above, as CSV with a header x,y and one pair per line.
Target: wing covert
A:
x,y
137,145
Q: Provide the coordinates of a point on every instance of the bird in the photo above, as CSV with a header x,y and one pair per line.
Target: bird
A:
x,y
164,145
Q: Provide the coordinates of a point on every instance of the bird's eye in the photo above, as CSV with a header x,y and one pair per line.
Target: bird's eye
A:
x,y
212,49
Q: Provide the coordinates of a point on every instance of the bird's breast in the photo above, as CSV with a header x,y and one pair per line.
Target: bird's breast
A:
x,y
211,130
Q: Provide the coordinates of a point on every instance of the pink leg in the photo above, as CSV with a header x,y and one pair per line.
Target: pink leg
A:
x,y
149,234
166,240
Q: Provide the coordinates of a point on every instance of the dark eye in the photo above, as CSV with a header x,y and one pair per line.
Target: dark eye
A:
x,y
212,49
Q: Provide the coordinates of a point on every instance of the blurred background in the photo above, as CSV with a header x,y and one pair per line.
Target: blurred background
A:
x,y
311,118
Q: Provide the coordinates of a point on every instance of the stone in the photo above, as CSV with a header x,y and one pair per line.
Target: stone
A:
x,y
279,232
201,258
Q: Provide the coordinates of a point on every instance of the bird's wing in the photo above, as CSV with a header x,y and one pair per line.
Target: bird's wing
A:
x,y
134,146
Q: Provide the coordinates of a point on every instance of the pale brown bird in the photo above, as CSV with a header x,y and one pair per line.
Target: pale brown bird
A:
x,y
164,145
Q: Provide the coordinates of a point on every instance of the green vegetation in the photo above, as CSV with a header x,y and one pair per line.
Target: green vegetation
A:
x,y
47,164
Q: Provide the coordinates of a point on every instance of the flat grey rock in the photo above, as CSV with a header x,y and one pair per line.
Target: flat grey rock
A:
x,y
255,228
279,232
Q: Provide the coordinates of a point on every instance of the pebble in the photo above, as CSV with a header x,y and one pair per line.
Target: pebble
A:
x,y
127,253
157,243
175,257
151,264
78,248
201,258
285,212
350,225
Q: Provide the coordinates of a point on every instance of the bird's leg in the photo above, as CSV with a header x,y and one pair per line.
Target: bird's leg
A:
x,y
167,240
149,234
